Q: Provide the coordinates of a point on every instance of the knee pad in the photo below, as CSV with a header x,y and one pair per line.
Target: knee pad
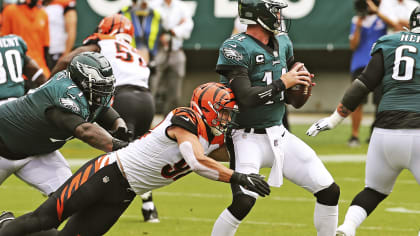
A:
x,y
241,205
368,199
328,196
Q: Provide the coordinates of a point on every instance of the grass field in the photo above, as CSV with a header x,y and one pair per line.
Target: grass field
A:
x,y
190,207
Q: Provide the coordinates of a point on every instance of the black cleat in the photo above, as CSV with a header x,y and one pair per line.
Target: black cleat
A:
x,y
5,217
150,216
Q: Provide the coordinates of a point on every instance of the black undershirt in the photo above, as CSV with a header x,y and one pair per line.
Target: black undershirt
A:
x,y
372,77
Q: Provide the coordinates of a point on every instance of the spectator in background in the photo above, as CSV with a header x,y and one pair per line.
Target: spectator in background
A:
x,y
62,20
147,27
238,27
366,27
29,21
171,60
398,11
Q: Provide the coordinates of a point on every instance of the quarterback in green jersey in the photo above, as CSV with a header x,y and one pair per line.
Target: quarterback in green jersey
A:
x,y
255,65
35,126
394,144
14,63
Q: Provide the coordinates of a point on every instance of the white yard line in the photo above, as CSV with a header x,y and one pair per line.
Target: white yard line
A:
x,y
324,158
265,223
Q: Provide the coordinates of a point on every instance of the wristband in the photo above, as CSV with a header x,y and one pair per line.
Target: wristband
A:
x,y
336,119
37,74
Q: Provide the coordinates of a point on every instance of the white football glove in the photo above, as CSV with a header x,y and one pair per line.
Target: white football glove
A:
x,y
325,124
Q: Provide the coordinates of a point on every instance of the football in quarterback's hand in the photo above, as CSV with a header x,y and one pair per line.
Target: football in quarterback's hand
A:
x,y
298,95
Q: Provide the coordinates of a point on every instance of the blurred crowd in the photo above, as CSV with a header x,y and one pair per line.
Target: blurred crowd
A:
x,y
49,28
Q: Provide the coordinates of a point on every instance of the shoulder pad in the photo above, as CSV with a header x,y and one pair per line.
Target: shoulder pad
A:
x,y
186,118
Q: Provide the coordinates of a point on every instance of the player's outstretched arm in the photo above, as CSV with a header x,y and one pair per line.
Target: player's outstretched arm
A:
x,y
193,154
326,123
90,133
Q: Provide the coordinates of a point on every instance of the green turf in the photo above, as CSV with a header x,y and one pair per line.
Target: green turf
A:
x,y
191,205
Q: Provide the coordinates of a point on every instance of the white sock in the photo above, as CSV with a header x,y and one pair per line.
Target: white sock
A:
x,y
325,219
148,205
355,216
225,225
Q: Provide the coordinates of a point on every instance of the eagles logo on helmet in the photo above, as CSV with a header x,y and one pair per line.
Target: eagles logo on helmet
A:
x,y
219,109
266,13
92,73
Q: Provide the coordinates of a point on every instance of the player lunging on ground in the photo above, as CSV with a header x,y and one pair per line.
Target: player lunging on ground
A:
x,y
99,192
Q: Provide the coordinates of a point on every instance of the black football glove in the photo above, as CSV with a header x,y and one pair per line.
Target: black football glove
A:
x,y
117,144
122,133
252,182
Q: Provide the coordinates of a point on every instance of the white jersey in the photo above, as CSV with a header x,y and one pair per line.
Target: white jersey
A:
x,y
154,160
128,66
58,35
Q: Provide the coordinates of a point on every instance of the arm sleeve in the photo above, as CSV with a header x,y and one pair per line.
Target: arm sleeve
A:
x,y
64,120
251,96
367,81
187,152
107,118
374,72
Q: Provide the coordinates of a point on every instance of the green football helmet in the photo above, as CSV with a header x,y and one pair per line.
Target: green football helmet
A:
x,y
262,12
92,73
415,20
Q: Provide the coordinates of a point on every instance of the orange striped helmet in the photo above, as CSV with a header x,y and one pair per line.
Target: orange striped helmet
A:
x,y
216,104
117,24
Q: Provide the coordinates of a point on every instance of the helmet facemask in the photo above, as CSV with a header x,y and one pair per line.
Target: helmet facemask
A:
x,y
97,89
414,22
223,119
217,106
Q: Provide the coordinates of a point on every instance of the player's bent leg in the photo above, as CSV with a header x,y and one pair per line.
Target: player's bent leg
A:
x,y
107,213
40,219
8,167
305,169
228,222
326,210
362,205
45,172
148,208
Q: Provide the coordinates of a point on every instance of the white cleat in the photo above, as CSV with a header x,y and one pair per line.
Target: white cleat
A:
x,y
345,230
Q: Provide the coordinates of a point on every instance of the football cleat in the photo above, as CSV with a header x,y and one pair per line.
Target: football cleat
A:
x,y
6,216
345,230
150,216
353,142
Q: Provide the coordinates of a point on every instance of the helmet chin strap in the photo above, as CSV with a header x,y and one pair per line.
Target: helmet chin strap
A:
x,y
265,26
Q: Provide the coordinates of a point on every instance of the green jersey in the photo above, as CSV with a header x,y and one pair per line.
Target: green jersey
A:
x,y
25,129
264,65
401,81
12,54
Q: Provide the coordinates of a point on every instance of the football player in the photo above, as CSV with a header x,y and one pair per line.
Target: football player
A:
x,y
104,187
14,63
394,144
254,64
35,126
133,99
